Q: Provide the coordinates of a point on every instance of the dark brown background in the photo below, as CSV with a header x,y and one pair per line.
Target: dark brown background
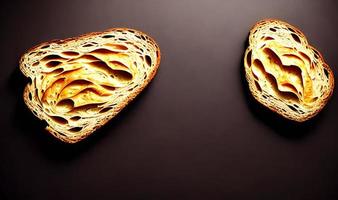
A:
x,y
195,132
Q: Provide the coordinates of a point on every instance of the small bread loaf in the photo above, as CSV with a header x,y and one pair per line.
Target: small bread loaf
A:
x,y
285,73
79,84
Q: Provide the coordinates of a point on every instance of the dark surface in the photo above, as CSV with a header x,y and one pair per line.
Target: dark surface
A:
x,y
195,132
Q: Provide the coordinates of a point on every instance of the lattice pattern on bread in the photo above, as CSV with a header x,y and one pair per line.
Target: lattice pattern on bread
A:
x,y
78,84
284,72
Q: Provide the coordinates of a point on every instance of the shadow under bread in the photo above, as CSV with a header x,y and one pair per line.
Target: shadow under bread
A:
x,y
33,129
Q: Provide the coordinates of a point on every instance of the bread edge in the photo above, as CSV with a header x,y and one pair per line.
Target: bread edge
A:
x,y
321,58
118,109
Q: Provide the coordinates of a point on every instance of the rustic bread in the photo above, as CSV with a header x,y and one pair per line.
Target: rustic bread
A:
x,y
285,73
79,84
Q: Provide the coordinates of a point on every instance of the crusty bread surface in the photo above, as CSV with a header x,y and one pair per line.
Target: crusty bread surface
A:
x,y
77,85
284,72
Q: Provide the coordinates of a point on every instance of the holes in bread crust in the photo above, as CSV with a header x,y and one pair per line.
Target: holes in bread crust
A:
x,y
108,36
118,65
248,58
70,53
122,75
290,87
316,53
292,108
56,71
273,29
75,118
88,45
105,109
268,38
306,57
272,56
52,57
290,29
53,63
65,105
75,129
258,87
148,60
59,120
30,96
45,47
326,73
295,37
259,65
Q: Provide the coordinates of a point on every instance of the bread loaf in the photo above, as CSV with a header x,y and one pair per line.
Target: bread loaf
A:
x,y
79,84
285,73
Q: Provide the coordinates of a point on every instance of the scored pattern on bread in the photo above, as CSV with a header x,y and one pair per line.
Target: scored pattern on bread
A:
x,y
79,84
285,73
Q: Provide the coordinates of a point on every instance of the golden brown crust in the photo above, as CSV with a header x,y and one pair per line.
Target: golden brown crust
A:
x,y
307,113
103,120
